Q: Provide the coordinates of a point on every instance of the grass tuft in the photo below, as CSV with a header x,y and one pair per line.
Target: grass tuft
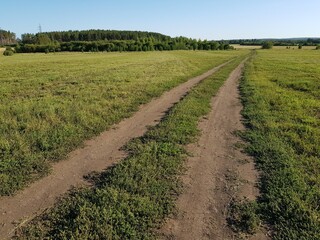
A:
x,y
243,216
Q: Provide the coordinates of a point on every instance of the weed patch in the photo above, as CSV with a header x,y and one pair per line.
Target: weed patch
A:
x,y
243,216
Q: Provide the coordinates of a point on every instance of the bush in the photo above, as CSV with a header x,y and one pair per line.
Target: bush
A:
x,y
8,53
267,45
318,47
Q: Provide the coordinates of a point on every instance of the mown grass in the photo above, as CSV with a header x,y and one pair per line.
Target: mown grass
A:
x,y
281,96
133,197
50,103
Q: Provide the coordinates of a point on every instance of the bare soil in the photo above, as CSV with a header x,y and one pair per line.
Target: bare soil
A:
x,y
97,154
217,172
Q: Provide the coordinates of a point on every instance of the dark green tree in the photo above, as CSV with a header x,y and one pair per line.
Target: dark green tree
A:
x,y
267,45
43,39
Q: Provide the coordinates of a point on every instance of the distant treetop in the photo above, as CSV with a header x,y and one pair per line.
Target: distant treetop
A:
x,y
7,37
92,35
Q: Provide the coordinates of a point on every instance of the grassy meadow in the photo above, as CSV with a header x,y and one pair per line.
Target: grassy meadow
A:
x,y
281,96
51,103
130,199
250,47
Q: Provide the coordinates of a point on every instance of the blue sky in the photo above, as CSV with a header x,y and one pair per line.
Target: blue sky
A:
x,y
205,19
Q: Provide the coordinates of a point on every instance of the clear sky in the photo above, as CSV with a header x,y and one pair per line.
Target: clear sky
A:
x,y
205,19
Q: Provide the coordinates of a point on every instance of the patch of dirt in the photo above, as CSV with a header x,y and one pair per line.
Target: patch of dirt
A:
x,y
96,155
214,170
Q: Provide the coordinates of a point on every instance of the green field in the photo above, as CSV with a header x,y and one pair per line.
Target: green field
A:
x,y
133,197
51,103
281,96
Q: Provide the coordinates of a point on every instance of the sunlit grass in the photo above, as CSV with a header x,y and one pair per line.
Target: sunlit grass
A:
x,y
281,94
134,196
50,103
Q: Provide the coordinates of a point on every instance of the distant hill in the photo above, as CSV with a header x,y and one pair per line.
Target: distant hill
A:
x,y
291,39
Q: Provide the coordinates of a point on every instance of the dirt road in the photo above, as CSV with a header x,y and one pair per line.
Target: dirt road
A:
x,y
215,165
97,154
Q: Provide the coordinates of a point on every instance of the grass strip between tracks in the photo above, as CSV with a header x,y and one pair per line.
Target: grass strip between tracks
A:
x,y
132,198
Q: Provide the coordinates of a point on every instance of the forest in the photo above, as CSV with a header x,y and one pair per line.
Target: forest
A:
x,y
129,41
110,41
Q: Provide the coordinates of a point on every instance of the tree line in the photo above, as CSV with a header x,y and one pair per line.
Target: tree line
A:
x,y
89,35
111,41
7,37
123,45
278,42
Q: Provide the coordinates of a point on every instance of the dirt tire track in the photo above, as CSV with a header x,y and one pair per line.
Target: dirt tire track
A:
x,y
202,207
96,155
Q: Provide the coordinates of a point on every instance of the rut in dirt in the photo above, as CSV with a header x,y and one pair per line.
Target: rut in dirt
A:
x,y
97,155
202,207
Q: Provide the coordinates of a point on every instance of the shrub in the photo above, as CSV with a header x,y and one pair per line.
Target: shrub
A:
x,y
318,47
8,53
267,45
